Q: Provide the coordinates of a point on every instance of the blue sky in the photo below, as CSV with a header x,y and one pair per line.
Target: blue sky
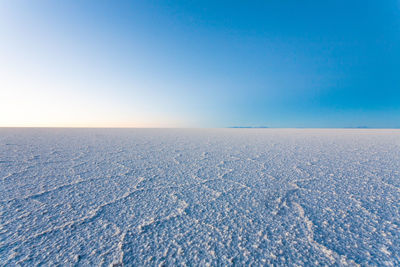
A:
x,y
200,63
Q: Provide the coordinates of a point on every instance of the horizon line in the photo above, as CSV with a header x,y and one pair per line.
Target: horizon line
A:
x,y
228,127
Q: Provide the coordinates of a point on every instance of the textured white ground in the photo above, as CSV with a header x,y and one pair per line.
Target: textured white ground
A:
x,y
227,196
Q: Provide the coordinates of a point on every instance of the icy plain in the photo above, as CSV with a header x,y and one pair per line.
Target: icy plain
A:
x,y
199,197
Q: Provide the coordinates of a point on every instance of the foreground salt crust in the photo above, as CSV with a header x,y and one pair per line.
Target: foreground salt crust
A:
x,y
218,197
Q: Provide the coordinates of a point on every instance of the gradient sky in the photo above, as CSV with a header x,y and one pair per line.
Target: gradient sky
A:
x,y
275,63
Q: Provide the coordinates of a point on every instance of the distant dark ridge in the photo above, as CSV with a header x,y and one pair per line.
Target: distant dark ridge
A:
x,y
367,127
358,127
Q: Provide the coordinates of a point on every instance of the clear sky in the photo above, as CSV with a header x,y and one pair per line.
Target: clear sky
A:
x,y
333,63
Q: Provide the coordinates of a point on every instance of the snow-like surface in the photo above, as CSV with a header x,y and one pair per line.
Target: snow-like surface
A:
x,y
227,196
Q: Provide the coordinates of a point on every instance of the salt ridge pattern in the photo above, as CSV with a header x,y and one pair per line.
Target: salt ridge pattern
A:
x,y
199,197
